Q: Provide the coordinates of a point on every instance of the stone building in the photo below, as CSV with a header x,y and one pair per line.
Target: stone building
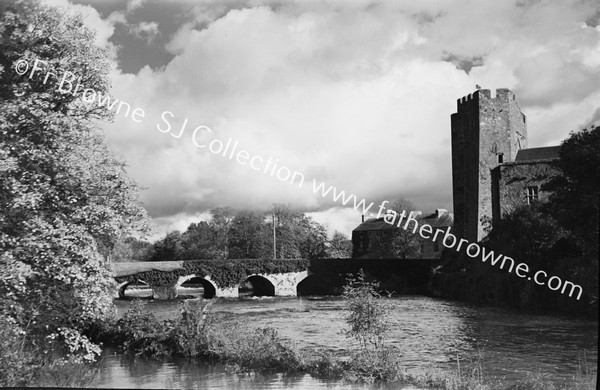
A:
x,y
493,172
521,182
372,239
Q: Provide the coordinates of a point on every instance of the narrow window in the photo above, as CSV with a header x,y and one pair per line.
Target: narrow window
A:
x,y
531,194
500,157
436,246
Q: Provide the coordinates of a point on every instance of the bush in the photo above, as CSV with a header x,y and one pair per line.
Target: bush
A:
x,y
366,312
139,332
372,366
14,360
261,350
189,334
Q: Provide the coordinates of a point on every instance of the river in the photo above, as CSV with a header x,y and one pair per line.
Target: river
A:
x,y
426,331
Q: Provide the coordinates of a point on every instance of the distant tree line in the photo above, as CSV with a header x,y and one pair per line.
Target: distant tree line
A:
x,y
244,234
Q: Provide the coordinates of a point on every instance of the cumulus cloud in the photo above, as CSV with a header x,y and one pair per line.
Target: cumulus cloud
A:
x,y
146,30
134,4
356,94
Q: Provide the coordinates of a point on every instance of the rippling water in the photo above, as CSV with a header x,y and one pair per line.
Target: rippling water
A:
x,y
426,331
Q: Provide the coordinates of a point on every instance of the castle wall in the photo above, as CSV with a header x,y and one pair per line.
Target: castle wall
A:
x,y
512,180
465,143
483,128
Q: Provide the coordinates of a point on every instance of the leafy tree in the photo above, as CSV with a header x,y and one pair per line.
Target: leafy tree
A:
x,y
339,246
576,196
312,238
286,230
248,236
222,217
529,232
63,194
170,248
131,249
200,241
404,244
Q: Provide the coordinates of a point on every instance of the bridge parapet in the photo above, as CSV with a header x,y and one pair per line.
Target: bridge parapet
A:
x,y
224,275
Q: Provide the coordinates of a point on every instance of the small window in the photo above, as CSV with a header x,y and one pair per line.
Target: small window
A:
x,y
531,194
500,157
436,246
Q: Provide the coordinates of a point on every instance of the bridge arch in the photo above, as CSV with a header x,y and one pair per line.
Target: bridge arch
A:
x,y
123,286
315,285
262,286
210,290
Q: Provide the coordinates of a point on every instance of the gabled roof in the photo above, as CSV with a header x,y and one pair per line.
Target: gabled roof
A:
x,y
374,224
442,219
532,154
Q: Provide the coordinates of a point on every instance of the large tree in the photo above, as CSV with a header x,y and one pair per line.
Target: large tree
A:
x,y
404,244
576,193
249,236
339,247
222,218
64,196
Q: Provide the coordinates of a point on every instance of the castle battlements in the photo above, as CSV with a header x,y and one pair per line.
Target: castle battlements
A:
x,y
502,94
487,130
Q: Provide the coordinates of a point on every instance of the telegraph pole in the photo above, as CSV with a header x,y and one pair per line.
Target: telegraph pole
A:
x,y
274,239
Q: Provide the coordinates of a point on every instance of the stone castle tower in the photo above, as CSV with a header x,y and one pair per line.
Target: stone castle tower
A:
x,y
486,132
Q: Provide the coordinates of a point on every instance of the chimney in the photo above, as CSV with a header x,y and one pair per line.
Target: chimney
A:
x,y
439,212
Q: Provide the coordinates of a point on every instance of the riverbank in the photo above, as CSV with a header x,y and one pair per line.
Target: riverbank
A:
x,y
436,344
499,346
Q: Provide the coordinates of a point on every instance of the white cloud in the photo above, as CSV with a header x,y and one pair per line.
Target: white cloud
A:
x,y
356,95
134,4
146,30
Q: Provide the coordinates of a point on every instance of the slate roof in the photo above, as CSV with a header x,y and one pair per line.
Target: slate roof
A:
x,y
445,219
532,154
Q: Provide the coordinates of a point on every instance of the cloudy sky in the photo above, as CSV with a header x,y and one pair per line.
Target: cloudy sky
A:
x,y
357,94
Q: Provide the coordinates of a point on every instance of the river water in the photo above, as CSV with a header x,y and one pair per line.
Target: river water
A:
x,y
426,331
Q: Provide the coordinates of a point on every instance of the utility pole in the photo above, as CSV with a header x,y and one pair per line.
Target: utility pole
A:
x,y
274,239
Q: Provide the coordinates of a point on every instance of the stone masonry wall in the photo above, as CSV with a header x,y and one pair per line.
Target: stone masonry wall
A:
x,y
512,180
482,128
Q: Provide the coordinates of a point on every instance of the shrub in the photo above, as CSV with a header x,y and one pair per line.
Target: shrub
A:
x,y
141,333
261,350
366,312
189,334
371,366
14,360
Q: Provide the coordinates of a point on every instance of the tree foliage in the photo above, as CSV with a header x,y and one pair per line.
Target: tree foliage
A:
x,y
366,312
246,234
64,196
339,247
404,244
576,193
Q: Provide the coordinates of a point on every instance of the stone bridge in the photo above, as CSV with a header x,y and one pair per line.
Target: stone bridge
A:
x,y
219,278
223,278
